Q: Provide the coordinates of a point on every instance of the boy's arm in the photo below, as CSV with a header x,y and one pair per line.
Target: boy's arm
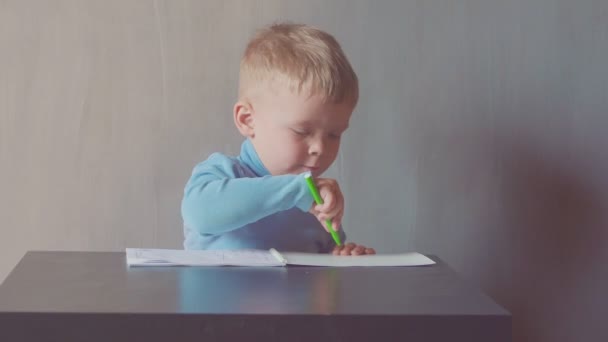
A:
x,y
215,203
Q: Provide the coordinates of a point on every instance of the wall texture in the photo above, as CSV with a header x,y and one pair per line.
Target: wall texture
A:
x,y
480,134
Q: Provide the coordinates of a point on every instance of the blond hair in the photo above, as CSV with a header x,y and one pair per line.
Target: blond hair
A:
x,y
301,57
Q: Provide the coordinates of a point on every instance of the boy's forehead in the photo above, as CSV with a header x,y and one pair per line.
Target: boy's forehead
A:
x,y
304,107
334,116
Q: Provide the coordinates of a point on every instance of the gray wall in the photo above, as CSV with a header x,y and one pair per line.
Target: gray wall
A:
x,y
479,136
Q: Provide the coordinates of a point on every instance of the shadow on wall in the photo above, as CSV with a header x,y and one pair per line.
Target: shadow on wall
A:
x,y
553,220
522,216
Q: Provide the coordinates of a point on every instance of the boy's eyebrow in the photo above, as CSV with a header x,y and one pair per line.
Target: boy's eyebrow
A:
x,y
307,123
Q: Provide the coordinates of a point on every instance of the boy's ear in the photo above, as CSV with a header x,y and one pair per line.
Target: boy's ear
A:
x,y
243,118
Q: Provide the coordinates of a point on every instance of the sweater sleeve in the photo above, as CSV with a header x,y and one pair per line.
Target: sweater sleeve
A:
x,y
215,202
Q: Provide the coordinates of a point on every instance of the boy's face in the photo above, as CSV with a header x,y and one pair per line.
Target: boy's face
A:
x,y
296,133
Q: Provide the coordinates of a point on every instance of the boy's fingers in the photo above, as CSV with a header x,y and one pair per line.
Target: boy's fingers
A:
x,y
329,199
359,250
352,249
334,213
327,216
335,221
347,249
326,207
336,224
338,220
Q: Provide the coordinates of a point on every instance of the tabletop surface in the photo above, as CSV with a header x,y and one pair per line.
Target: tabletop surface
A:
x,y
101,282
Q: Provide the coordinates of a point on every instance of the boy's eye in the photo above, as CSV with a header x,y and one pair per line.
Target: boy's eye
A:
x,y
335,136
300,132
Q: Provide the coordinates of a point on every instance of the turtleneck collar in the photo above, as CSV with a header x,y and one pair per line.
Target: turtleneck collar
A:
x,y
250,158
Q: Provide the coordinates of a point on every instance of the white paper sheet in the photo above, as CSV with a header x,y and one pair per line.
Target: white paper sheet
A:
x,y
404,259
172,257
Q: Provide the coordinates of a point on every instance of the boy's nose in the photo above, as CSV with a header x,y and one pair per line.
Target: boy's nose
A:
x,y
316,148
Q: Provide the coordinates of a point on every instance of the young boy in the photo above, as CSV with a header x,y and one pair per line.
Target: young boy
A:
x,y
297,91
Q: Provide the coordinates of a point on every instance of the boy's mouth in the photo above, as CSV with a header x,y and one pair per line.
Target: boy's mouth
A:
x,y
311,168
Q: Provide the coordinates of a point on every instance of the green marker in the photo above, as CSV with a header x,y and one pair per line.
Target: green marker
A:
x,y
315,194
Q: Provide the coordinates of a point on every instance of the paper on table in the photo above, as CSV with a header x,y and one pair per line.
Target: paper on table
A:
x,y
249,257
403,259
173,257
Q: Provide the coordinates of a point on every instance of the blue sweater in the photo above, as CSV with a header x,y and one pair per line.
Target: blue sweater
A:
x,y
234,203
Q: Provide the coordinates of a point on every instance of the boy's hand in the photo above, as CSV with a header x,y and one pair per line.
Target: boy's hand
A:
x,y
333,203
352,249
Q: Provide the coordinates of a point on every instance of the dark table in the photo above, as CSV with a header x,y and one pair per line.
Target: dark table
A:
x,y
95,296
